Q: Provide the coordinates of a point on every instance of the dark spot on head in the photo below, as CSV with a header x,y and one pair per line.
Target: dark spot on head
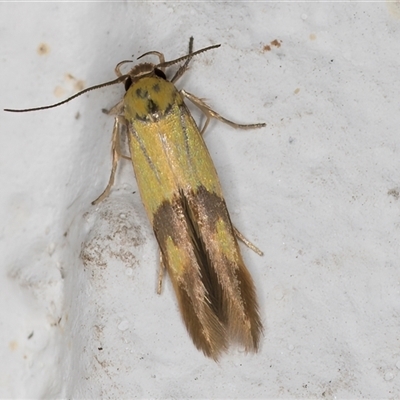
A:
x,y
160,73
156,87
141,93
152,107
168,108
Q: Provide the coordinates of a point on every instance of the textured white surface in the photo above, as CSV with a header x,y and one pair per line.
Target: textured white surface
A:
x,y
317,190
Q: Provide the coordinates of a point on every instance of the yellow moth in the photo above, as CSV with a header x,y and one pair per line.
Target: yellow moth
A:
x,y
183,199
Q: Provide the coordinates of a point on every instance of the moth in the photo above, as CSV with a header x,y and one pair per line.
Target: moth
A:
x,y
182,195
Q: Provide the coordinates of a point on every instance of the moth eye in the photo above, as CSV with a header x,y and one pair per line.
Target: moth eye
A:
x,y
128,83
160,73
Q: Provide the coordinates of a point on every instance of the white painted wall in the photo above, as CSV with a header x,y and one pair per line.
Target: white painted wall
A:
x,y
317,190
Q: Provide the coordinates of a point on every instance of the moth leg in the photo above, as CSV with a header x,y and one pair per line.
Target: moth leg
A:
x,y
160,274
210,113
203,129
117,110
116,155
247,242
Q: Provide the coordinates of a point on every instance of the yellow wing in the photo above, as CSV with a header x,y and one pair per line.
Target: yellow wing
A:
x,y
183,199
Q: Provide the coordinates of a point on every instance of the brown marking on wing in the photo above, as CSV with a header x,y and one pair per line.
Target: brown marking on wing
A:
x,y
183,257
215,292
236,287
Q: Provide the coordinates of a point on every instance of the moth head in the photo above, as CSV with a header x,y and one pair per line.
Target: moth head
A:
x,y
141,70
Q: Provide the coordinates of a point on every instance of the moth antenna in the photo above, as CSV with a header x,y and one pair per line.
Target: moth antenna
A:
x,y
177,60
101,85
